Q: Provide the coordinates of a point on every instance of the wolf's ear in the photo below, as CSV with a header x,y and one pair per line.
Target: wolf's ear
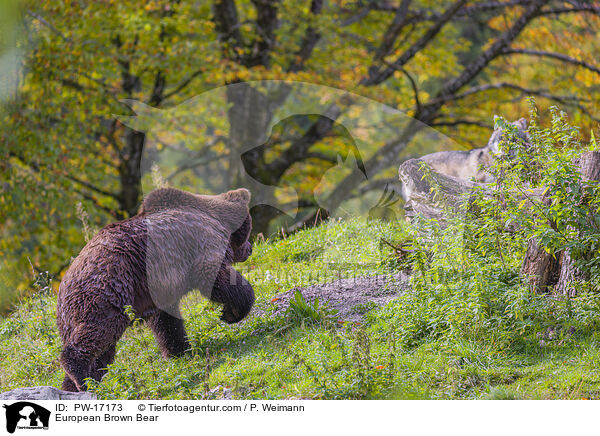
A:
x,y
521,124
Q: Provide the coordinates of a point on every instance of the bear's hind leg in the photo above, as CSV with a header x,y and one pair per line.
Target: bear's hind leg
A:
x,y
88,343
169,332
76,364
68,384
99,367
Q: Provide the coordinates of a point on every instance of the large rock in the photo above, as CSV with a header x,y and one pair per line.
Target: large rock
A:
x,y
45,393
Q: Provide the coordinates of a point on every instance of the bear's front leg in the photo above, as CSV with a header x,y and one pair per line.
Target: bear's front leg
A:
x,y
242,253
235,293
77,365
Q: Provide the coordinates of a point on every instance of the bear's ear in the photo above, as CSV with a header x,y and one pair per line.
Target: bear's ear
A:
x,y
241,195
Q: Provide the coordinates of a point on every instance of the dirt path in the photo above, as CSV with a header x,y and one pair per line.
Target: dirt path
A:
x,y
353,297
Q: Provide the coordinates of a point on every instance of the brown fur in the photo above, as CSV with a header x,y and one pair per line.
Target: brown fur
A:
x,y
177,242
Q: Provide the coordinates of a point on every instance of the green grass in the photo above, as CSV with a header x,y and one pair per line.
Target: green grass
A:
x,y
468,329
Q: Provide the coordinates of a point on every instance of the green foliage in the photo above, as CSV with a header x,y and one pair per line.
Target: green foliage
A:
x,y
466,282
564,217
301,311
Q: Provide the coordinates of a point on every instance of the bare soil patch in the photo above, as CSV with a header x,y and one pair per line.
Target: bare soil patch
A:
x,y
352,297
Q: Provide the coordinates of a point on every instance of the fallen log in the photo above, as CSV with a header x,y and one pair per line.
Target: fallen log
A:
x,y
430,194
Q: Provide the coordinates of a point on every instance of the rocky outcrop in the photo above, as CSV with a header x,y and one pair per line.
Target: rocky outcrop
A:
x,y
45,393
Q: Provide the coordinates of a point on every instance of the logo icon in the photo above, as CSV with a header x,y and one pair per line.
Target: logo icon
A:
x,y
26,415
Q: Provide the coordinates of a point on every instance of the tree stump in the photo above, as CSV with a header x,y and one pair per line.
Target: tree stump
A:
x,y
589,168
559,271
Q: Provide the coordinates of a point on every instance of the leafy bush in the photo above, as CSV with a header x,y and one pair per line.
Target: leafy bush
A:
x,y
567,216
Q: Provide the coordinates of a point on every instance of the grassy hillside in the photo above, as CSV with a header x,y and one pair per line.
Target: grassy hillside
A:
x,y
468,329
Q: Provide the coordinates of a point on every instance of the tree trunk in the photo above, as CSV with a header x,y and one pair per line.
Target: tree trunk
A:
x,y
131,173
249,115
540,267
568,275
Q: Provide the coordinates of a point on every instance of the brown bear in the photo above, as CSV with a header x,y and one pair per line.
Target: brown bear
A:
x,y
177,242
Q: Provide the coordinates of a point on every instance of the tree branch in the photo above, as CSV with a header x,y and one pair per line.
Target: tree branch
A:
x,y
391,34
309,41
92,187
580,7
357,17
559,56
454,123
299,148
32,166
48,25
266,23
474,68
225,17
183,84
96,204
468,11
568,100
413,84
158,88
376,76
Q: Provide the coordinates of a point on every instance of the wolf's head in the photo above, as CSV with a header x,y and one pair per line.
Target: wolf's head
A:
x,y
506,133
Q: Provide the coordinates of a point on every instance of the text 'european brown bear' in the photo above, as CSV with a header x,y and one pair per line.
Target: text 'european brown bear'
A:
x,y
177,242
